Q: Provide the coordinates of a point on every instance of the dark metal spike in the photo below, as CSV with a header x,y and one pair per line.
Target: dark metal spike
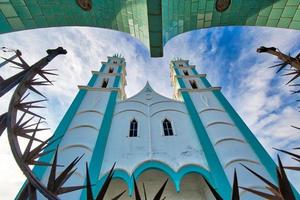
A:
x,y
61,179
289,153
13,62
31,192
23,98
35,91
136,190
282,67
45,77
29,145
295,127
261,178
89,191
40,163
42,154
64,190
262,194
160,191
213,191
5,62
107,181
284,184
52,176
119,196
235,187
26,66
3,121
292,168
59,185
281,63
296,76
145,195
31,113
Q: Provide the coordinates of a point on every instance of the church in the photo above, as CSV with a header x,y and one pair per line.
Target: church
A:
x,y
193,139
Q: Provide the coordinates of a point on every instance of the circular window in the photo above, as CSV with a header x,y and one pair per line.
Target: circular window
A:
x,y
222,5
85,4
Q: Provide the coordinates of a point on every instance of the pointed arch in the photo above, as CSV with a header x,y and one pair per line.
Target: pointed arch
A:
x,y
133,130
167,127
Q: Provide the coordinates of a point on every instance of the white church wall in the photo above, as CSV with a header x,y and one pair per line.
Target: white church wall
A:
x,y
229,143
95,100
188,149
127,151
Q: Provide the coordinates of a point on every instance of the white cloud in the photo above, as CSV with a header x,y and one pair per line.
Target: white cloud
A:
x,y
267,115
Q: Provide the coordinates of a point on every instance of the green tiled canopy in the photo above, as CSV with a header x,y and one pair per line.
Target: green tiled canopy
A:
x,y
154,22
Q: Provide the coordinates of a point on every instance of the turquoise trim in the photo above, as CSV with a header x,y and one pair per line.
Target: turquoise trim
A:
x,y
222,184
99,148
258,149
176,177
39,171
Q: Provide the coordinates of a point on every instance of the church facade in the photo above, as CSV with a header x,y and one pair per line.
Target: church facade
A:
x,y
193,137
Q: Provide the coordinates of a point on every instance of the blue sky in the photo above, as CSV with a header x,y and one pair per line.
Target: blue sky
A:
x,y
227,54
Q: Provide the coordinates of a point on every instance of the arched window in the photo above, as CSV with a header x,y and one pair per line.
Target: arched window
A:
x,y
111,70
193,84
133,128
167,128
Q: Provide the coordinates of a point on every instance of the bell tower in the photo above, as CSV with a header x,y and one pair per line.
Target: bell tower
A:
x,y
226,140
85,127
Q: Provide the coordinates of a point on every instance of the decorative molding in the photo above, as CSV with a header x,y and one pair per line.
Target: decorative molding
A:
x,y
191,76
99,89
224,123
84,126
76,146
211,109
87,111
240,160
167,110
106,74
200,89
184,67
132,110
175,176
229,139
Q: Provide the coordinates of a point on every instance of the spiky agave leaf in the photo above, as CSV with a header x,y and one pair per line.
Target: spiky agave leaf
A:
x,y
107,181
235,188
213,191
